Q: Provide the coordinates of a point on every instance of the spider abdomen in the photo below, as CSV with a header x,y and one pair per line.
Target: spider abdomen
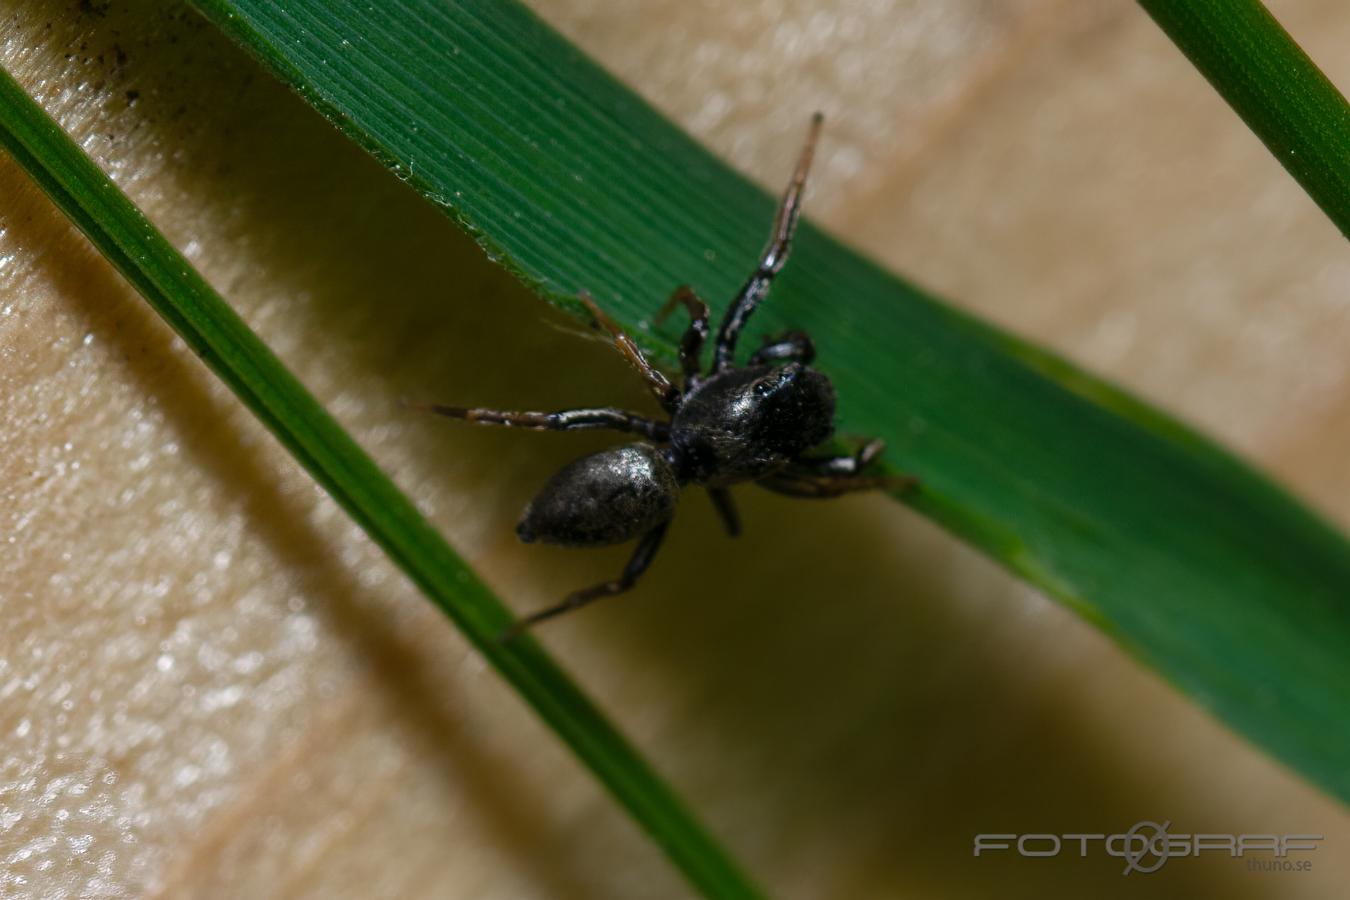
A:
x,y
603,498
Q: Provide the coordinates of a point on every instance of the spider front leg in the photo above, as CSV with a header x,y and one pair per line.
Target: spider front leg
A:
x,y
637,564
795,346
834,476
666,393
771,260
691,343
805,484
562,420
850,465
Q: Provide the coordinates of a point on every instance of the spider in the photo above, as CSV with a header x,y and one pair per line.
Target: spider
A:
x,y
732,424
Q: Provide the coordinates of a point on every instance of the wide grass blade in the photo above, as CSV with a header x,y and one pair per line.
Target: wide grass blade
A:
x,y
1194,563
1273,85
242,361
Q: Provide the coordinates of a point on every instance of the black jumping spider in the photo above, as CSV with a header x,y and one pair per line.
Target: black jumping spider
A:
x,y
734,424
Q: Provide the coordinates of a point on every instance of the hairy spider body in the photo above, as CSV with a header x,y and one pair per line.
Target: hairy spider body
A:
x,y
732,425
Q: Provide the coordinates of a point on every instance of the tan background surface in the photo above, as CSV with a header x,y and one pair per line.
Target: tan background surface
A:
x,y
212,685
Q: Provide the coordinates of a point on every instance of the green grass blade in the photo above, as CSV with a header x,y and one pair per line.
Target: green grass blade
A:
x,y
1273,85
242,361
1193,562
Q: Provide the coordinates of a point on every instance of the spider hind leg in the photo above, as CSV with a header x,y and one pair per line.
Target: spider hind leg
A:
x,y
637,564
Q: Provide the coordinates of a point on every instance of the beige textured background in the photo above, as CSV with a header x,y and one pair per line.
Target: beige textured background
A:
x,y
211,685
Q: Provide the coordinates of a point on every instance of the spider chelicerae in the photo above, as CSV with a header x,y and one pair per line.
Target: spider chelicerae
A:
x,y
732,424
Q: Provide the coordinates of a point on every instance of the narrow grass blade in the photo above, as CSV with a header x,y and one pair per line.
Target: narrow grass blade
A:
x,y
1194,563
242,361
1273,85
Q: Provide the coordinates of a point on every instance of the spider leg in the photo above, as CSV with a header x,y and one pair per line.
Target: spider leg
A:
x,y
726,509
637,564
694,336
562,420
849,465
795,346
802,484
771,260
834,476
666,393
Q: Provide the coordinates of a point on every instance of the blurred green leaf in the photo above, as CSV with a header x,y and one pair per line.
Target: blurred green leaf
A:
x,y
1273,85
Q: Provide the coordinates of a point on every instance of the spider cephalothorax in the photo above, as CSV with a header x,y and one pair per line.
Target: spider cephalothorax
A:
x,y
732,424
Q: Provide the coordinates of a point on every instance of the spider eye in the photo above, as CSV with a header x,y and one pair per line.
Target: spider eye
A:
x,y
762,389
